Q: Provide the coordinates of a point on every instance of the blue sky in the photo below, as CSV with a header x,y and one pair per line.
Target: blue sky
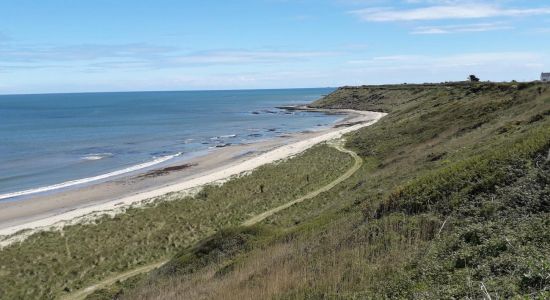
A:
x,y
129,45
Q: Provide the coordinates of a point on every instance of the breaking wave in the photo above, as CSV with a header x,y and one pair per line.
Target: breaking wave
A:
x,y
89,179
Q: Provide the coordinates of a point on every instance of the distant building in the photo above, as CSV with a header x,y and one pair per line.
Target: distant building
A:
x,y
545,77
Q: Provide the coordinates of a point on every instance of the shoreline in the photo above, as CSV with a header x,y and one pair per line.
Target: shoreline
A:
x,y
163,158
46,212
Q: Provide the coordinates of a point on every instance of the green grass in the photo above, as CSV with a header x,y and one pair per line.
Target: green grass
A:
x,y
454,195
50,264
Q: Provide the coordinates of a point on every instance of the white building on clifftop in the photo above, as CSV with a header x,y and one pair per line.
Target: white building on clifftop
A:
x,y
545,77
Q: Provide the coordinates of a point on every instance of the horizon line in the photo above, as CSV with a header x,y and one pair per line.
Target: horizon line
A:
x,y
255,89
167,91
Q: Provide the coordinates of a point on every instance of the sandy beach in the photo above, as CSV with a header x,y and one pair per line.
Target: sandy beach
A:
x,y
54,210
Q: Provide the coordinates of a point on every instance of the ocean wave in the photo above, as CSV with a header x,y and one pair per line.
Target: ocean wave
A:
x,y
228,136
89,179
96,156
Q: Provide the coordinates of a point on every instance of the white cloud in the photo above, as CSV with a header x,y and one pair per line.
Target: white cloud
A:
x,y
446,29
41,53
469,59
493,65
96,57
412,68
439,12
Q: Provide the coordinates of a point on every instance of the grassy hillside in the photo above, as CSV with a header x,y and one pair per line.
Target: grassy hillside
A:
x,y
453,201
50,264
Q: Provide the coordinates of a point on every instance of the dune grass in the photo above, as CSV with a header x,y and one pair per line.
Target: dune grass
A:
x,y
453,201
50,264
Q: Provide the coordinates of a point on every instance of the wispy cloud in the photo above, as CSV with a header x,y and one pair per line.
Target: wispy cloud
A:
x,y
93,57
436,68
41,53
440,12
446,29
451,61
245,56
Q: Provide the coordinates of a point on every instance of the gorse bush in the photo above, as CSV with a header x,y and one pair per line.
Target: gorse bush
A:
x,y
443,189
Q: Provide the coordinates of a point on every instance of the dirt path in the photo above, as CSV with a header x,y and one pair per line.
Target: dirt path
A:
x,y
351,171
338,144
81,294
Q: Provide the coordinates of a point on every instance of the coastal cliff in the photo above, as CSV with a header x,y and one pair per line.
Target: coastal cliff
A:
x,y
453,201
445,197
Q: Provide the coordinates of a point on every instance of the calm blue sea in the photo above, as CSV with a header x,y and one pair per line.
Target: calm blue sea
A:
x,y
52,141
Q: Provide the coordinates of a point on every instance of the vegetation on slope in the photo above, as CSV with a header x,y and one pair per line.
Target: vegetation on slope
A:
x,y
453,201
50,264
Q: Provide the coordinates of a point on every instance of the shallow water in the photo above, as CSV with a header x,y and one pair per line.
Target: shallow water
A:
x,y
53,141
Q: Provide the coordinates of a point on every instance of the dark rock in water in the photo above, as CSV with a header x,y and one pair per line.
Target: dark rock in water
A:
x,y
291,107
166,170
272,129
348,124
269,111
223,145
205,143
255,112
255,135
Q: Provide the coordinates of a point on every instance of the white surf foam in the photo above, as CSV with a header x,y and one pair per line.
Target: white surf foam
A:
x,y
89,179
228,136
96,156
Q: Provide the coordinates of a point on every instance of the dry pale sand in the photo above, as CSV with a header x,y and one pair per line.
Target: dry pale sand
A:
x,y
45,212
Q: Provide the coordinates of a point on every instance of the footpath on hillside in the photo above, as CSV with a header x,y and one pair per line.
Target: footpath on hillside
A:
x,y
337,144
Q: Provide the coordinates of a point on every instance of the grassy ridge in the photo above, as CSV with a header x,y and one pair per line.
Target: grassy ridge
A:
x,y
50,264
453,201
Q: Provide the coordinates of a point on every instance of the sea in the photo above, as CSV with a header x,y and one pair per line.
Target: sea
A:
x,y
50,142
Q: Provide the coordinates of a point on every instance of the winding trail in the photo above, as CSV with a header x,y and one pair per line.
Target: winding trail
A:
x,y
81,294
337,144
